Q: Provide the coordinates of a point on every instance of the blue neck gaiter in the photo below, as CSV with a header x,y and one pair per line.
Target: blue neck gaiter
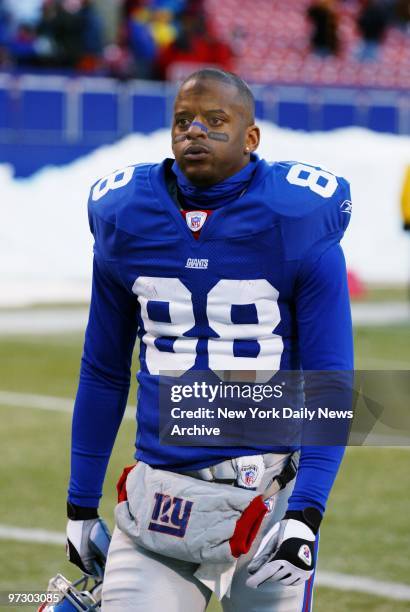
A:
x,y
217,195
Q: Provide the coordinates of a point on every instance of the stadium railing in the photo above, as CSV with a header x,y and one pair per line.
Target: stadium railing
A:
x,y
66,116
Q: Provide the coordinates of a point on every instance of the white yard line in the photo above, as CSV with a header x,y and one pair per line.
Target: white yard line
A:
x,y
373,363
46,402
43,321
363,584
380,313
51,320
334,580
31,400
21,534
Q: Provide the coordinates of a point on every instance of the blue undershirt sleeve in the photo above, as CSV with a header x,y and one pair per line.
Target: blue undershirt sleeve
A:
x,y
104,384
325,343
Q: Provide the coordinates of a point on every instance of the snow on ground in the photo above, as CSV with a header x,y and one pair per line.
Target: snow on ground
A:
x,y
46,247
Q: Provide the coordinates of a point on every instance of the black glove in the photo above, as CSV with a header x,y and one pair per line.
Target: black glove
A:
x,y
286,554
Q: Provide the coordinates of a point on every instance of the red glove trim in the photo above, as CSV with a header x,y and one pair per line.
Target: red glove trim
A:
x,y
247,526
121,488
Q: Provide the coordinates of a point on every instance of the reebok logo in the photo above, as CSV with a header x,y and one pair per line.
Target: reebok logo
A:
x,y
193,262
346,207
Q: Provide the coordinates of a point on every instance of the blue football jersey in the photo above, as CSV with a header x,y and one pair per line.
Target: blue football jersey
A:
x,y
262,288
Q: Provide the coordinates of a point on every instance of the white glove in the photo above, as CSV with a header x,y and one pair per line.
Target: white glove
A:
x,y
87,545
285,555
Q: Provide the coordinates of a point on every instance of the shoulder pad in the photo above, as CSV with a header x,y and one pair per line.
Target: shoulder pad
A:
x,y
121,206
110,194
314,206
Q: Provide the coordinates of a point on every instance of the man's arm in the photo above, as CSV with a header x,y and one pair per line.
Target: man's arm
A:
x,y
104,384
287,552
325,343
98,411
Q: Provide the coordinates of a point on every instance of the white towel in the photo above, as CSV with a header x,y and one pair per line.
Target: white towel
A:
x,y
217,577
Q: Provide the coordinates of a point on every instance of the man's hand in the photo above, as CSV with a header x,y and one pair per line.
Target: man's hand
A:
x,y
285,555
87,545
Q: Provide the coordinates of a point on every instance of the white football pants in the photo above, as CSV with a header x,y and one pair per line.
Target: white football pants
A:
x,y
137,580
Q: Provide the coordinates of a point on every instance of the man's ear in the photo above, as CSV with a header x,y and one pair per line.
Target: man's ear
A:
x,y
252,138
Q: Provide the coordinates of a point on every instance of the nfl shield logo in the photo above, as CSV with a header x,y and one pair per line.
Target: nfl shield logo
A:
x,y
305,555
195,219
249,474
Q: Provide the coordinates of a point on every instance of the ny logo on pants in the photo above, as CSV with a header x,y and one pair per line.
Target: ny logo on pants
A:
x,y
170,515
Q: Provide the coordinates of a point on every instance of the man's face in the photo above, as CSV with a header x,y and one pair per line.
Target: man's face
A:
x,y
211,132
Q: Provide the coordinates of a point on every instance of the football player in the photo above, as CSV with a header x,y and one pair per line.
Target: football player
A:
x,y
216,260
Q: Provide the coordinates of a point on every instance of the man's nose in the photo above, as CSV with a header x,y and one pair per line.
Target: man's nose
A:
x,y
197,128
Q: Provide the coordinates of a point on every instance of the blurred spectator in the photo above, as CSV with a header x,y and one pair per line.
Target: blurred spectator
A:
x,y
65,34
92,36
173,6
163,30
372,23
119,62
195,45
402,13
92,28
5,25
168,38
195,8
324,39
68,34
17,33
62,28
26,12
131,6
22,45
142,43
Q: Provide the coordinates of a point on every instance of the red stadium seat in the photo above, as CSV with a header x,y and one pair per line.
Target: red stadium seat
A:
x,y
280,50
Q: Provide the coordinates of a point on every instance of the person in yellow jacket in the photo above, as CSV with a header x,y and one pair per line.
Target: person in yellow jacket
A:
x,y
405,200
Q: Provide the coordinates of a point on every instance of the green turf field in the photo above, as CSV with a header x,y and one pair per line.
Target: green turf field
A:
x,y
366,530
